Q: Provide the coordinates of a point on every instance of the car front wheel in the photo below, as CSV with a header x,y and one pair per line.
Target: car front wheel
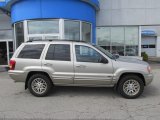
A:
x,y
131,86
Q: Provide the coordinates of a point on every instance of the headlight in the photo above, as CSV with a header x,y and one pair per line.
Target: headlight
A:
x,y
149,69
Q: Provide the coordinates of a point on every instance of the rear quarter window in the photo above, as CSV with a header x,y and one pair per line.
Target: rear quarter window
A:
x,y
31,51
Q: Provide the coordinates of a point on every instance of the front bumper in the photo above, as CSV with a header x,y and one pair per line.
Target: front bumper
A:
x,y
148,78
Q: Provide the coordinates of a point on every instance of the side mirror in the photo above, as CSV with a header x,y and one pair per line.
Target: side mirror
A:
x,y
116,56
103,60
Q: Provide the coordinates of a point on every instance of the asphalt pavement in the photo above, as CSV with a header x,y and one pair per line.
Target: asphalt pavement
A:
x,y
78,102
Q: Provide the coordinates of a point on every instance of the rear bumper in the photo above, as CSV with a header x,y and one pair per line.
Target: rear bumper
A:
x,y
17,76
148,78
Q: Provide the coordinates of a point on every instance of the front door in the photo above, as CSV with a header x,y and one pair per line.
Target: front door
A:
x,y
59,62
88,67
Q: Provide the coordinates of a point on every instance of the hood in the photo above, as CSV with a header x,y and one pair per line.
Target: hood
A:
x,y
131,60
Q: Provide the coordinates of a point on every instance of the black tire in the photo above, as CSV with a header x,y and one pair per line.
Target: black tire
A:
x,y
45,80
126,79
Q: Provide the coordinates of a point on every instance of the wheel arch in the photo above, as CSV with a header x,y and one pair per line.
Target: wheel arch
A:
x,y
131,73
35,72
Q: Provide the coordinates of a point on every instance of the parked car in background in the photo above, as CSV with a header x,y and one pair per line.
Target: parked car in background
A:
x,y
130,52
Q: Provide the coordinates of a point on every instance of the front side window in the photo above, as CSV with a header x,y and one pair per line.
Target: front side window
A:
x,y
87,54
59,52
31,51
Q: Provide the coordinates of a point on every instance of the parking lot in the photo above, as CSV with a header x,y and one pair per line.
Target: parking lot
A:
x,y
78,102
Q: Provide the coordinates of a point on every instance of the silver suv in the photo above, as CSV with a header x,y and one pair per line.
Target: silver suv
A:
x,y
42,65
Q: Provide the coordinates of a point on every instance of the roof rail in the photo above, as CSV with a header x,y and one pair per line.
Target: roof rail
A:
x,y
50,40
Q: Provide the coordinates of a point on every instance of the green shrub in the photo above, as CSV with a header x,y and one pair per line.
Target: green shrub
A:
x,y
144,56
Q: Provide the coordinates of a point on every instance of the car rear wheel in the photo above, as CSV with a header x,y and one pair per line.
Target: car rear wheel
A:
x,y
131,86
39,85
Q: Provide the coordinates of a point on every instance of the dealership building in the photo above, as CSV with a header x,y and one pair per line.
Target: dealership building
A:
x,y
124,27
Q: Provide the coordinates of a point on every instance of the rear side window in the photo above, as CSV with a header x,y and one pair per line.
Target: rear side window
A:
x,y
31,51
59,52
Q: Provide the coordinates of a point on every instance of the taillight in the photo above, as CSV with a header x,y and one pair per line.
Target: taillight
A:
x,y
12,64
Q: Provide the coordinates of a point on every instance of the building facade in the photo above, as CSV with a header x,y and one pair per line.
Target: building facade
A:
x,y
6,38
123,27
121,24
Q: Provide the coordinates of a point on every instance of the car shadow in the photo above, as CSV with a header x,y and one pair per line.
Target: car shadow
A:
x,y
150,91
83,91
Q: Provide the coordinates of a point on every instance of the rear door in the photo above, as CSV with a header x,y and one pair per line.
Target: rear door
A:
x,y
58,61
88,68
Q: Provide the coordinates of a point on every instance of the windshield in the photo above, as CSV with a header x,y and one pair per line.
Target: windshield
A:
x,y
104,51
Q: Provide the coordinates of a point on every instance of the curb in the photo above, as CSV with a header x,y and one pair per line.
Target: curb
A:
x,y
150,61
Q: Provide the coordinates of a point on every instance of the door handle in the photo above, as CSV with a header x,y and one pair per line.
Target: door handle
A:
x,y
48,64
81,66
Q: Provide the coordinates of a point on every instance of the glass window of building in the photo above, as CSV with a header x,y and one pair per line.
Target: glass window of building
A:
x,y
5,34
72,30
10,50
3,53
86,32
131,41
119,40
43,27
19,33
104,37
